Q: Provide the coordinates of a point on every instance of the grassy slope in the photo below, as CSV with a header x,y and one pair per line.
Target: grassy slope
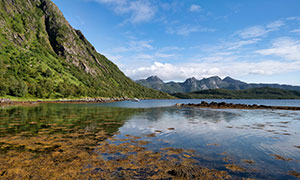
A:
x,y
254,93
30,68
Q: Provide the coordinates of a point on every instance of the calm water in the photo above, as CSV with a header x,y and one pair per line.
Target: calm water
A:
x,y
172,102
269,138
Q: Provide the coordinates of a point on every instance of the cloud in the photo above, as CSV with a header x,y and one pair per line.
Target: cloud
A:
x,y
258,31
284,47
296,31
183,71
185,30
140,45
226,48
293,18
170,48
253,32
135,45
273,26
163,55
195,8
239,44
145,56
138,10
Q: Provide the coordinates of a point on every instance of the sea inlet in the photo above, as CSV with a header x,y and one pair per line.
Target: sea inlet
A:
x,y
150,139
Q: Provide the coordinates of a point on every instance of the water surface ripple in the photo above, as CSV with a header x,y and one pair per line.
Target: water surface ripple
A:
x,y
265,143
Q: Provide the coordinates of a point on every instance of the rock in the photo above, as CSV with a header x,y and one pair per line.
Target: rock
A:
x,y
5,100
236,106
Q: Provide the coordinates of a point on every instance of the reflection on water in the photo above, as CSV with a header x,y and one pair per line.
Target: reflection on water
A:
x,y
171,102
251,139
89,140
65,118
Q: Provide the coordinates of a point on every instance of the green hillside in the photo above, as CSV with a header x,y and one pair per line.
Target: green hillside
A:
x,y
254,93
42,56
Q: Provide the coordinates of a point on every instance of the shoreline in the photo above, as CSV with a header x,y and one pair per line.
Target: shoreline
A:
x,y
9,102
224,105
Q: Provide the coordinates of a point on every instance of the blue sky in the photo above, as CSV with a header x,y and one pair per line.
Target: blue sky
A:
x,y
250,40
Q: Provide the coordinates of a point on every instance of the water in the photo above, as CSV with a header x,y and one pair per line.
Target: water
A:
x,y
172,102
262,142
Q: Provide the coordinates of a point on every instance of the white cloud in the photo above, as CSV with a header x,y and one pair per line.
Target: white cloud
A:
x,y
284,47
296,31
140,45
195,8
144,56
239,44
188,29
155,56
163,55
293,18
134,45
226,48
170,48
138,10
182,71
273,26
222,56
253,32
258,31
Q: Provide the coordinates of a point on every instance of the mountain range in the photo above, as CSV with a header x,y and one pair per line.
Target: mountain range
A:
x,y
215,82
43,56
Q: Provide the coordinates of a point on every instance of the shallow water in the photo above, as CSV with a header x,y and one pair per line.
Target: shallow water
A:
x,y
261,142
171,102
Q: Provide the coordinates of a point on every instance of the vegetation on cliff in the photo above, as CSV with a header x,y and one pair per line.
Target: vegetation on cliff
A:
x,y
42,56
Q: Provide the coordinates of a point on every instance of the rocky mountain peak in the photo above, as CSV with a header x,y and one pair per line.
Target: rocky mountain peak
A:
x,y
214,78
191,80
154,79
227,78
214,82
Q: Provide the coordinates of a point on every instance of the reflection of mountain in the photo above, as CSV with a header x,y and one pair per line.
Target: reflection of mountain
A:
x,y
191,114
62,118
56,140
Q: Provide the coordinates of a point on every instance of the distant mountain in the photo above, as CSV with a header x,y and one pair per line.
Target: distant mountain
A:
x,y
215,82
42,56
252,93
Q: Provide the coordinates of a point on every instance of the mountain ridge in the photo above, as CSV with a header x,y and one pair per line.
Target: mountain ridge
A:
x,y
251,93
43,56
214,82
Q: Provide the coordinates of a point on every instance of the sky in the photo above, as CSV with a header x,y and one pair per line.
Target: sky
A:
x,y
256,41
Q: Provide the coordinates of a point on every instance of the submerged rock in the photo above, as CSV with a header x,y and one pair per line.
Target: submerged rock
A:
x,y
224,105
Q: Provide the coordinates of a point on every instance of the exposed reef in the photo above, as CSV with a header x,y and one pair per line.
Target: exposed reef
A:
x,y
224,105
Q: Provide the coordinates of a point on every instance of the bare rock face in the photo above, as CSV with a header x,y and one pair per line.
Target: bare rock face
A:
x,y
68,42
65,41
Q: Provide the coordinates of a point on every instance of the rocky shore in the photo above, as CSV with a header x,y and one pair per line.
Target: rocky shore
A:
x,y
224,105
9,102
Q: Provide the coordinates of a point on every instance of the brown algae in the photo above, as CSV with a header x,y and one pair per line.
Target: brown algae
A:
x,y
67,156
294,173
278,157
248,161
235,168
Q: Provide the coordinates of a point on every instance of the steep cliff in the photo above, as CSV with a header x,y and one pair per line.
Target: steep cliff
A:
x,y
41,55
